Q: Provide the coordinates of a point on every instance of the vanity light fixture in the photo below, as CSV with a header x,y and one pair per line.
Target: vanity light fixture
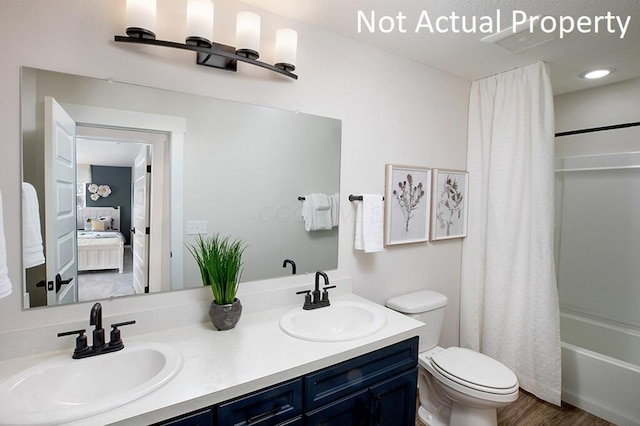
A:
x,y
596,74
141,22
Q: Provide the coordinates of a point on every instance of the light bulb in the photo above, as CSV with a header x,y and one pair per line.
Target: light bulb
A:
x,y
199,22
248,35
286,49
141,18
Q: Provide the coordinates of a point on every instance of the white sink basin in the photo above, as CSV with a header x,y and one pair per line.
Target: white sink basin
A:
x,y
343,320
63,389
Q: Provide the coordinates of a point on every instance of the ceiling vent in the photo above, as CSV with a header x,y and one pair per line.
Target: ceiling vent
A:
x,y
522,38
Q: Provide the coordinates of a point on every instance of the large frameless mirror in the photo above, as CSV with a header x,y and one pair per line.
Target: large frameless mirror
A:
x,y
125,176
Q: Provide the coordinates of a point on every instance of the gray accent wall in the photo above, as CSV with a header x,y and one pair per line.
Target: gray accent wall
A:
x,y
119,180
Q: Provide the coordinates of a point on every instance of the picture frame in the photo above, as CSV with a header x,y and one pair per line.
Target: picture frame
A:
x,y
450,204
407,204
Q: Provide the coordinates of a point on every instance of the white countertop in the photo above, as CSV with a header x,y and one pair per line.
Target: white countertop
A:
x,y
221,365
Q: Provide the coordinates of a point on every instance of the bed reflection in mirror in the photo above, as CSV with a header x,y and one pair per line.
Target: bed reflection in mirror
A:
x,y
168,165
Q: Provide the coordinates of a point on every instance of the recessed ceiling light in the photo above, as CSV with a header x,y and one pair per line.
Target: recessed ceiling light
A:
x,y
595,74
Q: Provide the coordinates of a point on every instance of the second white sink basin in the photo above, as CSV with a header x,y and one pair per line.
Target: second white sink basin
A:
x,y
63,389
343,320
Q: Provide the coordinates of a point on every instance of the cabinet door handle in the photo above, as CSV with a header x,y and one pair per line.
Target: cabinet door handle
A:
x,y
259,417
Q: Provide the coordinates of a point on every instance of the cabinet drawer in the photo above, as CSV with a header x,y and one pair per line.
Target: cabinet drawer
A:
x,y
335,382
272,406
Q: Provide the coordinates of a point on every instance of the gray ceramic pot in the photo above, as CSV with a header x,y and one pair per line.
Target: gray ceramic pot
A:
x,y
225,317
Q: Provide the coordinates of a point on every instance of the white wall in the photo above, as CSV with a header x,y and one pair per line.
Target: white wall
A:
x,y
392,111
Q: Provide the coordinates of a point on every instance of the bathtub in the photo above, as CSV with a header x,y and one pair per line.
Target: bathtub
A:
x,y
601,368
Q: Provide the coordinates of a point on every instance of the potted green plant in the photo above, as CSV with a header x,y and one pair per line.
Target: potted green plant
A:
x,y
220,261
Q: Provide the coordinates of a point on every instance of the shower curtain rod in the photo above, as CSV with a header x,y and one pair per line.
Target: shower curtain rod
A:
x,y
598,129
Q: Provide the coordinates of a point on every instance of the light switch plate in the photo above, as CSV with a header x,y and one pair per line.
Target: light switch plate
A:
x,y
195,227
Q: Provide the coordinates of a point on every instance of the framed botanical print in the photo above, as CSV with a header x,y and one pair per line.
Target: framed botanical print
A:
x,y
449,207
407,204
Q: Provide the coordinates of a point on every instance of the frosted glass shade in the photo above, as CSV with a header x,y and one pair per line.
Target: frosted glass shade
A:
x,y
141,18
286,49
199,22
248,34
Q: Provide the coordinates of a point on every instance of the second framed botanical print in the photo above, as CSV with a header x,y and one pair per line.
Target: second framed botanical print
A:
x,y
449,216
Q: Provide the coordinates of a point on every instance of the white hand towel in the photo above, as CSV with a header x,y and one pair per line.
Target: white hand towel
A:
x,y
32,250
5,283
369,224
316,212
334,201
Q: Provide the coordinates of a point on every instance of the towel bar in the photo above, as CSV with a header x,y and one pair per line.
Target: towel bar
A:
x,y
353,198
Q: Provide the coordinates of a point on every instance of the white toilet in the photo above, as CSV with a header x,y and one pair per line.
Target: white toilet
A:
x,y
457,386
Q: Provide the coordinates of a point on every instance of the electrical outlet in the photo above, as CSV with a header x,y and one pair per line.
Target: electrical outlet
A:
x,y
195,227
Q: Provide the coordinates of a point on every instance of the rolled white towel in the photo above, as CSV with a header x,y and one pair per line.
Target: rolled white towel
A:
x,y
5,283
32,249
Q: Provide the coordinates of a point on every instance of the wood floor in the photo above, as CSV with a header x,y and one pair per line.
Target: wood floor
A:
x,y
531,411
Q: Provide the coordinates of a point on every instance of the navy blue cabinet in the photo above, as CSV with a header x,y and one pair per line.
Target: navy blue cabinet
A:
x,y
390,403
378,388
339,380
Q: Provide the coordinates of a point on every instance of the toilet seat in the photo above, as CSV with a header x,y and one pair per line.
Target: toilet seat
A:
x,y
475,370
489,393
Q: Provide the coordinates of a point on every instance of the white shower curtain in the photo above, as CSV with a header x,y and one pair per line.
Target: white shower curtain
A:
x,y
509,304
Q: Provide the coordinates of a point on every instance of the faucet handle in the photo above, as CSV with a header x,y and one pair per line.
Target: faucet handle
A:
x,y
115,341
325,293
81,342
307,299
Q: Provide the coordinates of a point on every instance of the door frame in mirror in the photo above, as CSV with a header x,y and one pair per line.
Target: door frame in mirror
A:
x,y
175,128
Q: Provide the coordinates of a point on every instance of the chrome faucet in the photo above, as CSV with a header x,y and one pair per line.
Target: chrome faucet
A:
x,y
317,299
83,350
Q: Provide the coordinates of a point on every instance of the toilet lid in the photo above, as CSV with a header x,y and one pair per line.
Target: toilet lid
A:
x,y
418,302
474,370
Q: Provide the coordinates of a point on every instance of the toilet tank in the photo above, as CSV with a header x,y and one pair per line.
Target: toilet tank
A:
x,y
425,306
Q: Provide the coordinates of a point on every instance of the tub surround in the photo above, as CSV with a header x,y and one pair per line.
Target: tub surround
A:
x,y
219,366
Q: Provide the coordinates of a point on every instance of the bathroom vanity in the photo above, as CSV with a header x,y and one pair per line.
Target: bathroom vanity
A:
x,y
258,374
